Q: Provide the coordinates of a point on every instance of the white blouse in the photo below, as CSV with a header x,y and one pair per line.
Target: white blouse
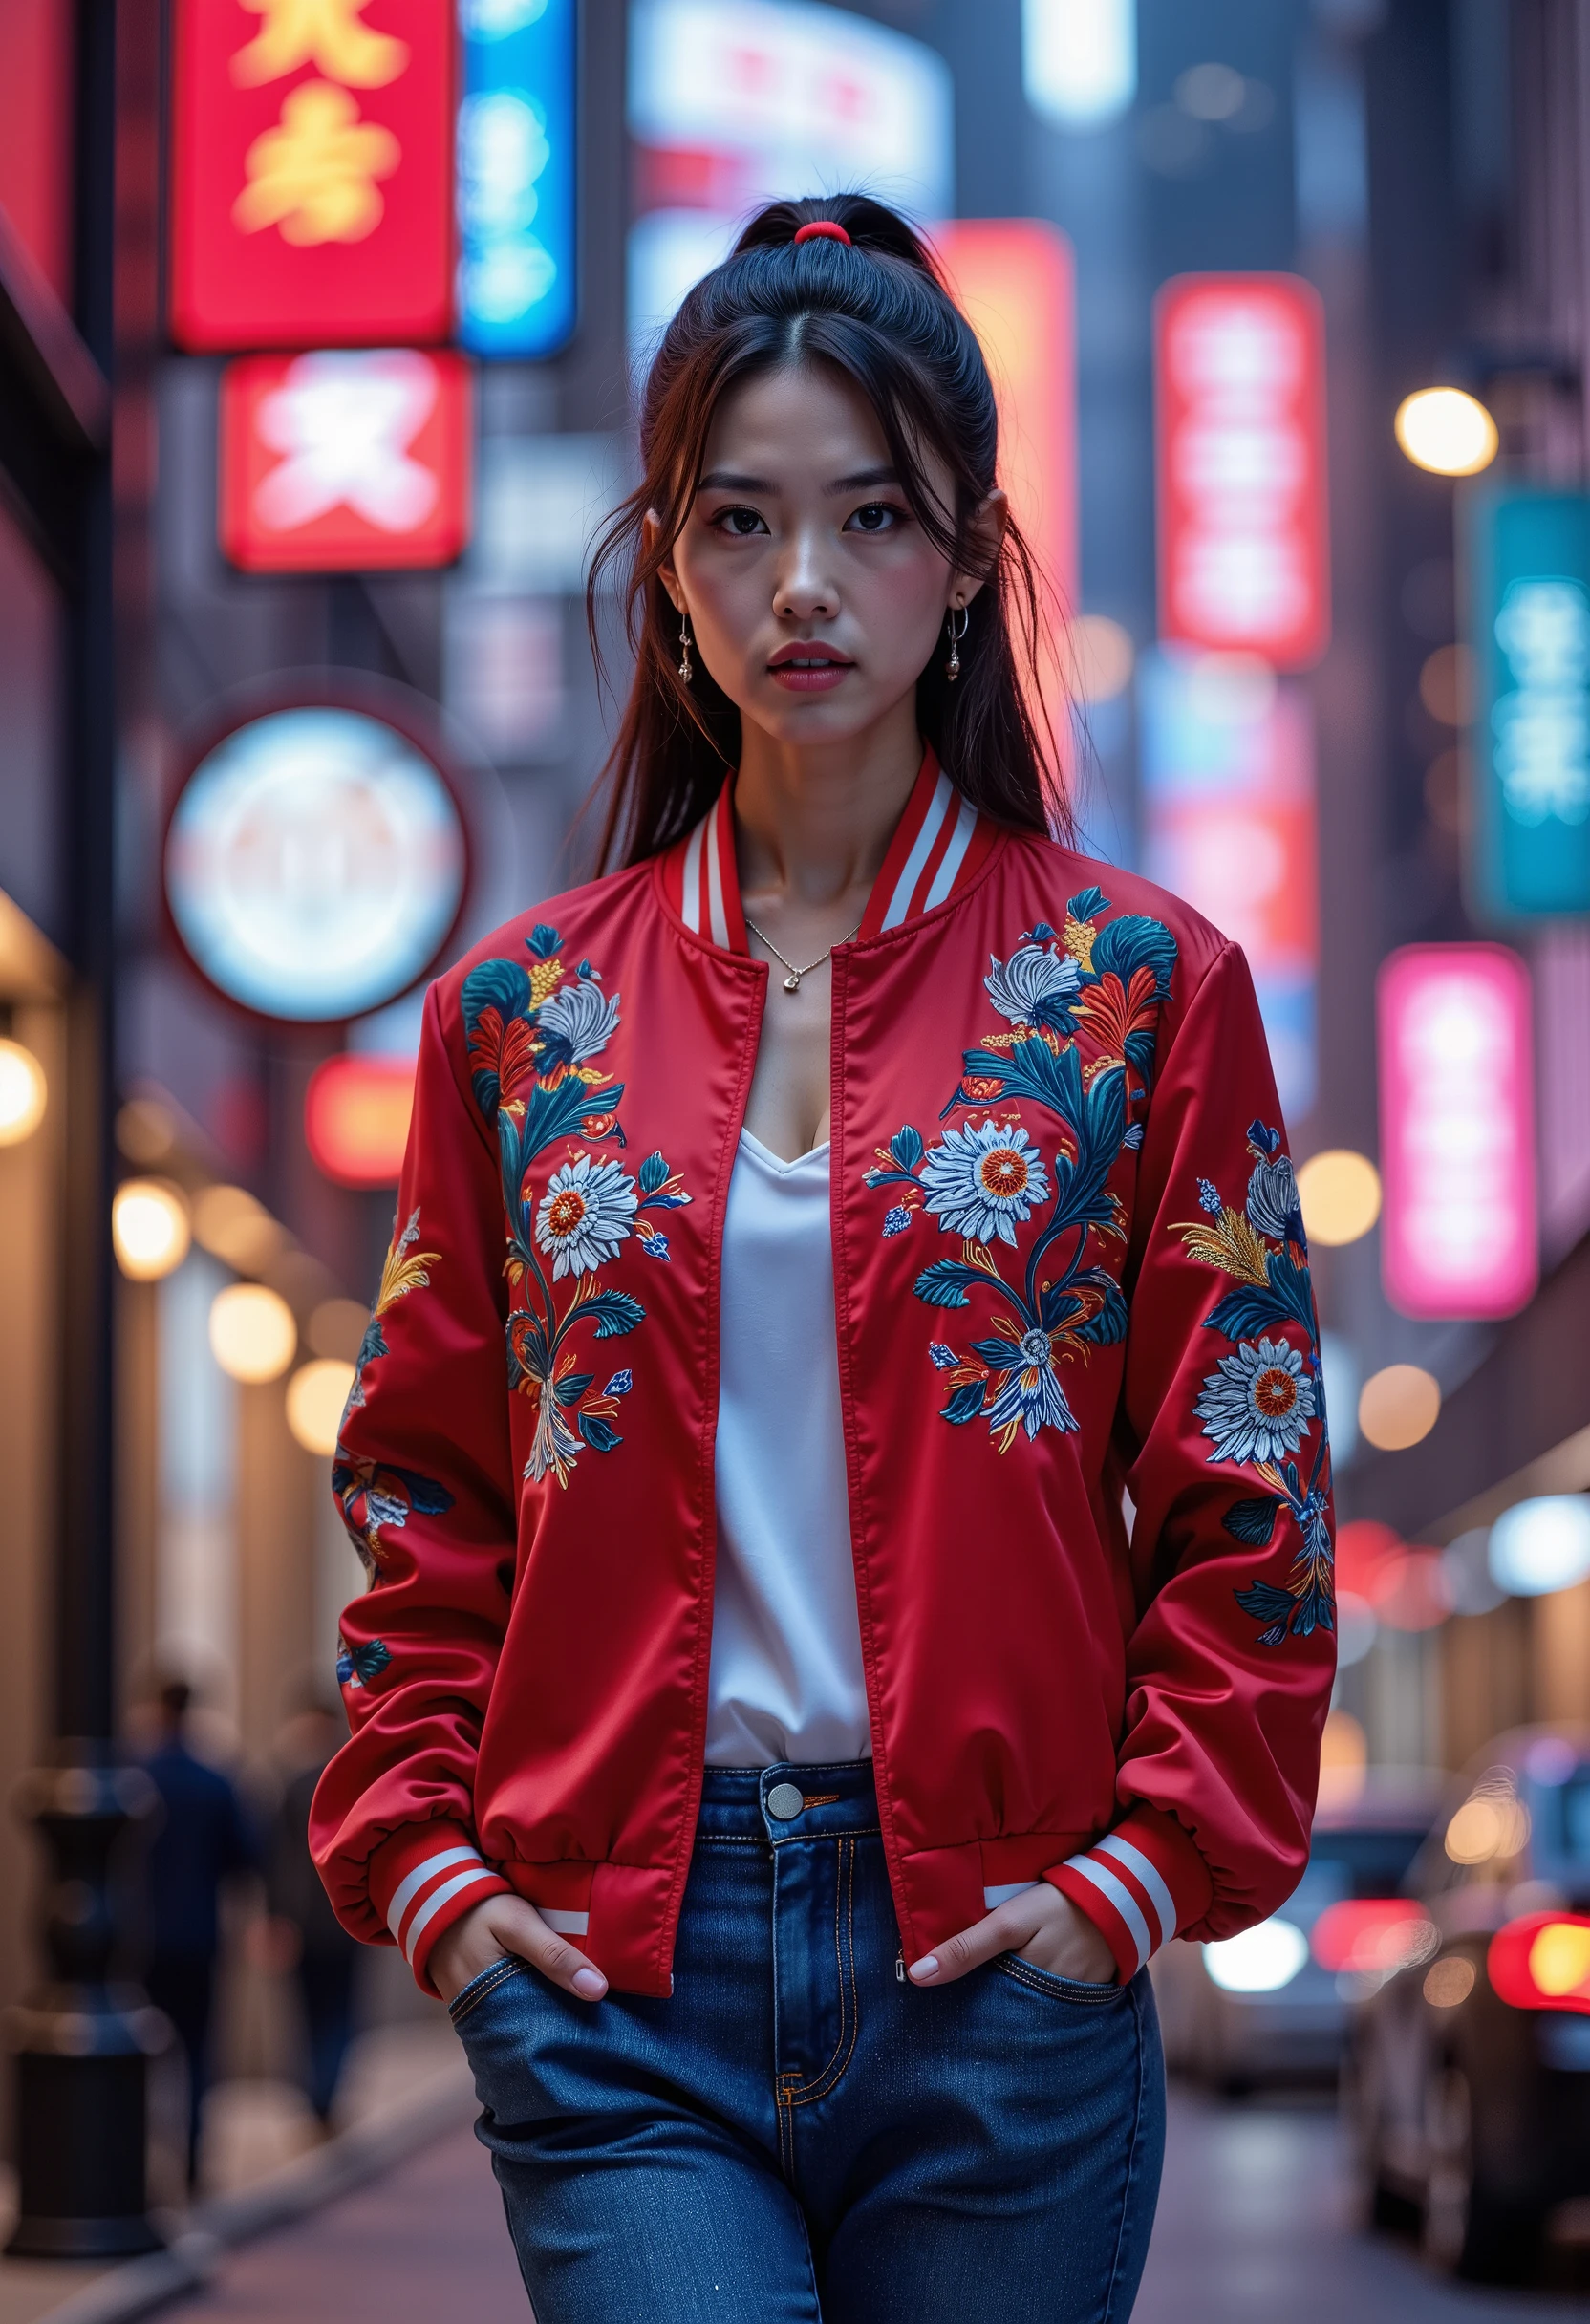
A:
x,y
787,1679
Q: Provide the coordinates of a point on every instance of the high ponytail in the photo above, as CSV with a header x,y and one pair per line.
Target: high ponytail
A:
x,y
870,304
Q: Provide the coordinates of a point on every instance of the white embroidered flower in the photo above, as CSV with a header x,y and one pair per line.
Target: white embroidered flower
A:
x,y
1032,1394
984,1182
554,1447
1035,986
583,1215
576,1023
1258,1406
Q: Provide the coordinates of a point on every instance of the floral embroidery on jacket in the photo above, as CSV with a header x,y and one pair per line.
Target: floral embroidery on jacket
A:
x,y
1263,1401
373,1493
986,1178
534,1034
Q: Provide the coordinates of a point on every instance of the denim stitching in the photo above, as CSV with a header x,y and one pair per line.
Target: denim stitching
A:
x,y
1131,2155
1046,1982
846,1953
487,1981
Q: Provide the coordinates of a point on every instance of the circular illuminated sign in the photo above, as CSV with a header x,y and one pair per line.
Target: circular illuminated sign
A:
x,y
315,863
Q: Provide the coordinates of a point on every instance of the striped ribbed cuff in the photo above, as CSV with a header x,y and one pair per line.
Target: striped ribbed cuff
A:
x,y
1138,1885
424,1878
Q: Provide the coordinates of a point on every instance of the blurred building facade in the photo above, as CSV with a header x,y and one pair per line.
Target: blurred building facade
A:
x,y
1423,164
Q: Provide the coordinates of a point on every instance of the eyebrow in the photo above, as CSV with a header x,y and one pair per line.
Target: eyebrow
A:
x,y
728,480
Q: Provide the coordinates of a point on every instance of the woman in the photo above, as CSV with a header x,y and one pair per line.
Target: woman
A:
x,y
771,1734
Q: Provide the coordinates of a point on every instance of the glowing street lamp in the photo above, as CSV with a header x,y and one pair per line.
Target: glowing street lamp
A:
x,y
1447,431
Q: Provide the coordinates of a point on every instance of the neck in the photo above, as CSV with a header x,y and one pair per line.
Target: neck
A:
x,y
813,825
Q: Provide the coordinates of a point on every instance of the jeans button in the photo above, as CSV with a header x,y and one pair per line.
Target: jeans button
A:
x,y
785,1801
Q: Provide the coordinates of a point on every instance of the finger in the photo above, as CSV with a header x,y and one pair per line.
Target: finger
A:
x,y
969,1948
519,1928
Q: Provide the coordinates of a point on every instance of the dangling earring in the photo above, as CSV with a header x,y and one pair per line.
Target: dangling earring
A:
x,y
952,668
686,668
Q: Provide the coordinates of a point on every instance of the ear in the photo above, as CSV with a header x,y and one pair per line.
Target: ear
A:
x,y
983,538
650,525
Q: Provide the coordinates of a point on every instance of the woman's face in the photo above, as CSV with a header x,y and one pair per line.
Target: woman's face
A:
x,y
814,596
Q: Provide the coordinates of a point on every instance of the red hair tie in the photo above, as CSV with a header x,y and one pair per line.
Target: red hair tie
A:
x,y
824,229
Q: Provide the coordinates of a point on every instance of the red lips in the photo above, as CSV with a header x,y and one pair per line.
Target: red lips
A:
x,y
809,666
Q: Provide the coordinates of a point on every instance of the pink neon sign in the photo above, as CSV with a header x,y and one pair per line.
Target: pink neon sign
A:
x,y
1244,545
1458,1235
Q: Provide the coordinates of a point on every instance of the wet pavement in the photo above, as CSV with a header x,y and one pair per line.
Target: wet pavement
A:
x,y
1252,2227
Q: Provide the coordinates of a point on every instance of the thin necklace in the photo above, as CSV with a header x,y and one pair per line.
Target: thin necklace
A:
x,y
792,983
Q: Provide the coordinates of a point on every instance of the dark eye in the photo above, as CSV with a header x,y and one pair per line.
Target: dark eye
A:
x,y
875,516
739,524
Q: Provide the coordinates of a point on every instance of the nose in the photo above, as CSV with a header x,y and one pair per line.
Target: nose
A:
x,y
805,589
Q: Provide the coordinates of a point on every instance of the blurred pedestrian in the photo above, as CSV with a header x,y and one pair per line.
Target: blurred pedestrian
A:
x,y
769,1736
322,1957
205,1838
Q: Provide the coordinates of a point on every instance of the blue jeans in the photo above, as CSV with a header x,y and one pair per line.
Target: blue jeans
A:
x,y
799,2134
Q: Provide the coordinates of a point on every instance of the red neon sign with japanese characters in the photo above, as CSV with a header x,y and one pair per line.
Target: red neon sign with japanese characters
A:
x,y
345,460
1244,550
311,189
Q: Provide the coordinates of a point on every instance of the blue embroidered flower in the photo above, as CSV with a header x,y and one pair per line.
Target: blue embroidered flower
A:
x,y
576,1023
1035,986
359,1666
896,1219
656,1246
983,1183
1032,1395
1258,1404
943,1359
585,1215
620,1384
1209,1197
1273,1204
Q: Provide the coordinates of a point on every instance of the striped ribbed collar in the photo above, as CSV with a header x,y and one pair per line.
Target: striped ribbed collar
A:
x,y
939,843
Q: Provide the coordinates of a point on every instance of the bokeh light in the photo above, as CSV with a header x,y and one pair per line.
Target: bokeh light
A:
x,y
1447,431
1343,1758
1399,1406
1449,1982
1101,658
337,1327
24,1092
1541,1544
1339,1192
149,1229
316,1398
1262,1959
1446,685
252,1333
233,1227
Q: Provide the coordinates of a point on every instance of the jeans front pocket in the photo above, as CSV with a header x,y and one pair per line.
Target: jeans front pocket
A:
x,y
496,1972
1075,1990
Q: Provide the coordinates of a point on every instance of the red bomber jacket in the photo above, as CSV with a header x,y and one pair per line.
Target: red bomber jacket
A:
x,y
1084,1431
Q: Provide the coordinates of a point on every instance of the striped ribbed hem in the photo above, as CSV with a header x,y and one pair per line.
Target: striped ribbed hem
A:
x,y
1138,1885
424,1879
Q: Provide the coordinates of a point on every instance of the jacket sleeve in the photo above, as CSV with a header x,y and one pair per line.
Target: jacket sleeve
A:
x,y
1221,1435
423,1475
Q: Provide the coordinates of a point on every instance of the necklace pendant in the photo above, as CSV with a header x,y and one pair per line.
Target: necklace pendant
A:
x,y
792,983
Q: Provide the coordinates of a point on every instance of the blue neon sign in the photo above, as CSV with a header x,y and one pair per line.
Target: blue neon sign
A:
x,y
516,156
1528,570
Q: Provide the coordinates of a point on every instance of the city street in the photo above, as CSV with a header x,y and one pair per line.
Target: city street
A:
x,y
1251,2230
